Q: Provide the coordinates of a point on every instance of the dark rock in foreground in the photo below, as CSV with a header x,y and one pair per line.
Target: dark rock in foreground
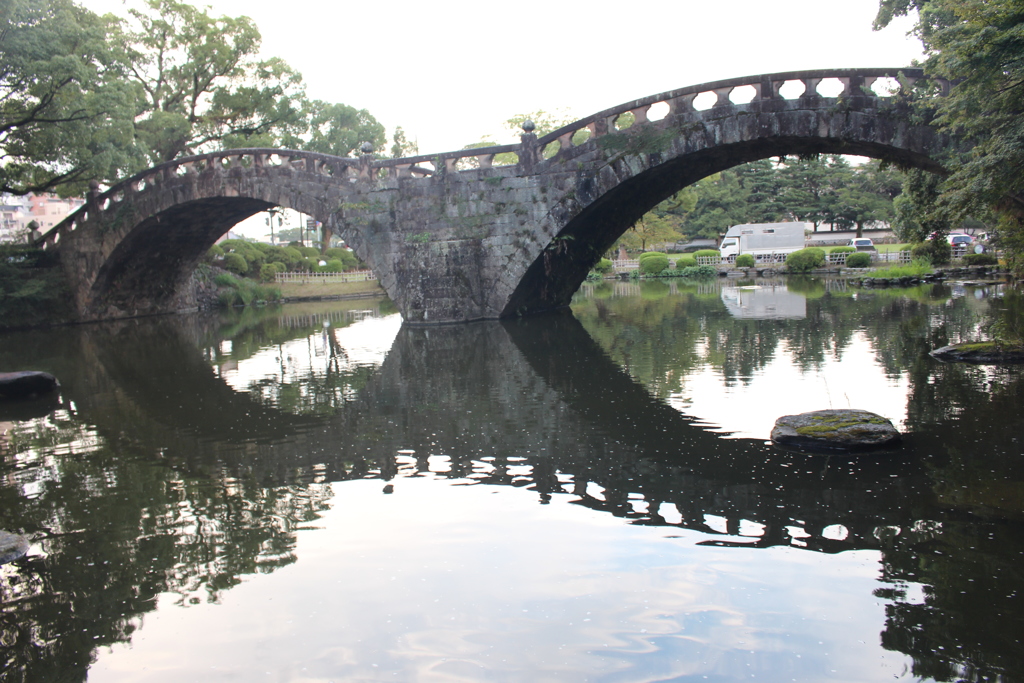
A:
x,y
26,384
980,352
835,430
12,547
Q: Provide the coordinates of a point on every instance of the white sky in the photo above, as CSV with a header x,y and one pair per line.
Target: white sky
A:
x,y
452,71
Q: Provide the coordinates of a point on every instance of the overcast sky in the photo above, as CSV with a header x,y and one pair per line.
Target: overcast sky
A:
x,y
452,71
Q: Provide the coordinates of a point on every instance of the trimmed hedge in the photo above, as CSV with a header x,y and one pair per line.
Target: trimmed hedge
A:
x,y
805,260
745,261
858,260
653,262
707,252
685,262
236,263
603,266
842,250
980,259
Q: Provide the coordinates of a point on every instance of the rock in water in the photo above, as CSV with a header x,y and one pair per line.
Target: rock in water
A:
x,y
12,547
26,384
835,430
991,353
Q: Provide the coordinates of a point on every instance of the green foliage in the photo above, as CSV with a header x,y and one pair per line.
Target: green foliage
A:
x,y
685,262
339,129
977,44
225,280
858,260
240,291
745,261
980,259
916,268
309,252
841,250
66,108
267,272
32,287
937,251
215,252
603,266
713,253
236,263
805,260
653,262
702,272
334,266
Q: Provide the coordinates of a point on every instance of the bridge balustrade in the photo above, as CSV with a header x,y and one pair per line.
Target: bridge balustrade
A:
x,y
856,83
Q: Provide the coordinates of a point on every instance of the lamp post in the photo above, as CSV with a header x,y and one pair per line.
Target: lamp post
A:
x,y
274,211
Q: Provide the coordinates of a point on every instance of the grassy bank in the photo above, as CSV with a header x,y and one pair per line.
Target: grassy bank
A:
x,y
310,290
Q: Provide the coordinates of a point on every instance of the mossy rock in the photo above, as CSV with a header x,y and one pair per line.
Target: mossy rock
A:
x,y
845,431
982,353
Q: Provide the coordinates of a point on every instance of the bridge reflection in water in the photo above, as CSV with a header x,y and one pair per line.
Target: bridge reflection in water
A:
x,y
213,483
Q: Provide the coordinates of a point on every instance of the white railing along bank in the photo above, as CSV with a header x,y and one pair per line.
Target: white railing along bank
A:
x,y
325,278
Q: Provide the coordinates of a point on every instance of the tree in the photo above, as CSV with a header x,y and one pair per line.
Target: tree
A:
x,y
340,130
721,203
401,146
201,85
978,44
65,108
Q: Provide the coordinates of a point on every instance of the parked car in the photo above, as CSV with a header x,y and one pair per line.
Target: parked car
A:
x,y
956,239
861,244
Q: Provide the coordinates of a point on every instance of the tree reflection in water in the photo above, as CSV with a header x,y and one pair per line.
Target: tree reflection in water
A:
x,y
157,477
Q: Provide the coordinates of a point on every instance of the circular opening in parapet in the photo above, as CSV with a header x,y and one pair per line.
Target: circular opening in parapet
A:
x,y
658,111
551,149
505,159
580,136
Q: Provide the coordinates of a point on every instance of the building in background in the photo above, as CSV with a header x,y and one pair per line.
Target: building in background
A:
x,y
16,213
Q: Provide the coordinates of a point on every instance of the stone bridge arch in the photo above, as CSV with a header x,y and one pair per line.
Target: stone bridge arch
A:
x,y
453,237
132,249
620,175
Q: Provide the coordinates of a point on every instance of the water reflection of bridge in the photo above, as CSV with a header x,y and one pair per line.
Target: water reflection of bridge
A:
x,y
540,395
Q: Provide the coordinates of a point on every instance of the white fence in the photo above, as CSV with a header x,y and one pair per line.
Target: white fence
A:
x,y
325,278
833,259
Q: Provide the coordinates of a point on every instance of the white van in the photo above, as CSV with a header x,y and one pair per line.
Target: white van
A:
x,y
762,239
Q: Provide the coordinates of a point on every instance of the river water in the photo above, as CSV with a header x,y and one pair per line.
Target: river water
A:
x,y
316,493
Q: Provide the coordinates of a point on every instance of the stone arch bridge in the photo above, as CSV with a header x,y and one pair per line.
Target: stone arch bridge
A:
x,y
457,236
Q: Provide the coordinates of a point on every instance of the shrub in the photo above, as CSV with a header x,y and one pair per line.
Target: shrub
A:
x,y
214,252
937,251
842,250
745,261
267,272
236,263
858,260
917,268
225,280
653,262
334,266
685,262
707,252
309,252
701,272
980,259
805,260
603,266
